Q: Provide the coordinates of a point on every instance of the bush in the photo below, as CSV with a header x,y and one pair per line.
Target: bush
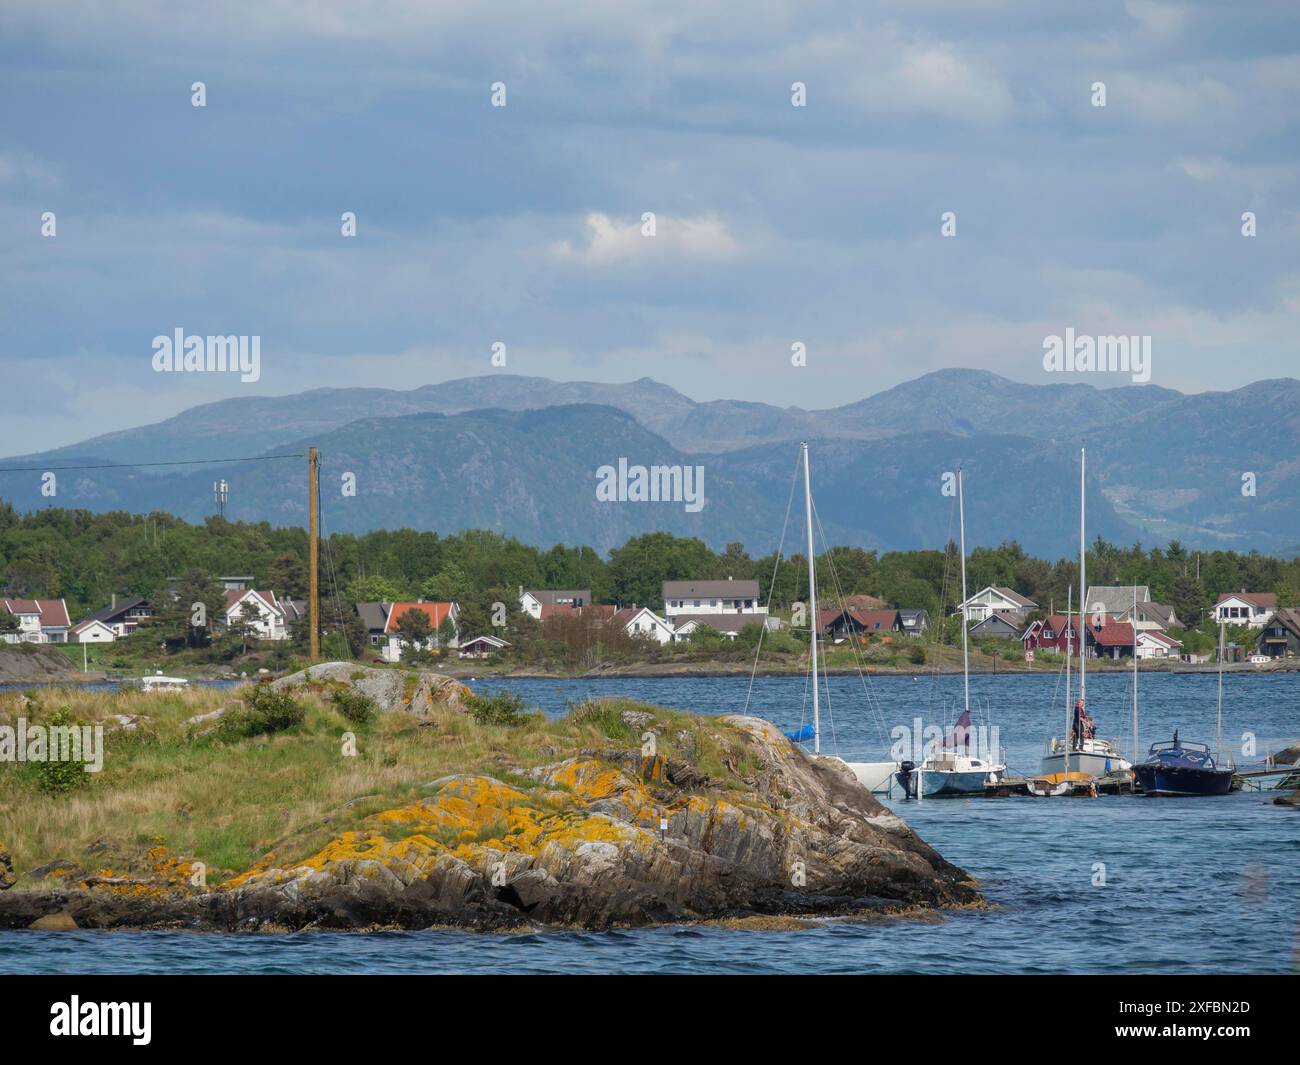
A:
x,y
61,776
357,707
501,708
605,714
265,712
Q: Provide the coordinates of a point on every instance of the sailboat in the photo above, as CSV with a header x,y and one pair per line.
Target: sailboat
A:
x,y
953,770
1080,751
1063,783
1181,767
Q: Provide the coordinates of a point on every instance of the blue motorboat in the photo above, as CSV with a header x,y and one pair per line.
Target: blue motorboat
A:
x,y
1180,767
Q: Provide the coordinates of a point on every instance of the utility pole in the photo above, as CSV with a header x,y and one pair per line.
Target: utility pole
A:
x,y
313,534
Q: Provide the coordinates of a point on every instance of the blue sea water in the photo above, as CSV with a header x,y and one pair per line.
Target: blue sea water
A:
x,y
1111,885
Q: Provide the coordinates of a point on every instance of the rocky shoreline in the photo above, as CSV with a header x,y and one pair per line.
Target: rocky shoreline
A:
x,y
594,838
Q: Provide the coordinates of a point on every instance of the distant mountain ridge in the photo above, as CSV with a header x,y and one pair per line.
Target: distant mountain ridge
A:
x,y
519,454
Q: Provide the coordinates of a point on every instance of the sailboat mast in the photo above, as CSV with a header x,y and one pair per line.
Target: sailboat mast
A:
x,y
1133,624
1069,603
1083,588
1218,717
965,651
812,599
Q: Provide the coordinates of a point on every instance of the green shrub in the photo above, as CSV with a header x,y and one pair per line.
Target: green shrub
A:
x,y
357,707
61,776
500,708
265,712
605,714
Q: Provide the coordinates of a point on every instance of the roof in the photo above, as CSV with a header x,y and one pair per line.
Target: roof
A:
x,y
1289,618
1010,618
871,620
864,602
626,615
235,595
89,623
1116,598
1009,594
437,613
552,596
491,641
1264,599
599,611
1161,614
52,613
374,616
1159,637
1112,633
727,589
110,612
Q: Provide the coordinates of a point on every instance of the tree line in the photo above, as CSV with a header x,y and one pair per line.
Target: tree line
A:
x,y
86,558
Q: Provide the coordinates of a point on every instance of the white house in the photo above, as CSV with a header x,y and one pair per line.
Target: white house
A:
x,y
532,601
270,616
642,621
1245,608
702,598
437,613
39,620
1154,644
996,600
92,630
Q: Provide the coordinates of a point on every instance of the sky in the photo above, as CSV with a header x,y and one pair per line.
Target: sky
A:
x,y
522,225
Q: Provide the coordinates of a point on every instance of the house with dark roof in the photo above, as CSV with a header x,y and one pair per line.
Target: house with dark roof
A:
x,y
482,646
1151,616
39,620
1280,636
1001,624
995,599
532,601
1244,608
1153,643
120,618
914,620
691,598
840,624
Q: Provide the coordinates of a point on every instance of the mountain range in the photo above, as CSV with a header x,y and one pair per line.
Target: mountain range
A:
x,y
520,455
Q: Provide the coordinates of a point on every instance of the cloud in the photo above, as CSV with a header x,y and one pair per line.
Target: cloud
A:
x,y
610,240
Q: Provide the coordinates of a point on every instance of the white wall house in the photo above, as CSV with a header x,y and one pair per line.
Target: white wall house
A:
x,y
696,598
39,620
269,620
1245,608
1155,644
642,621
394,646
92,631
995,600
532,600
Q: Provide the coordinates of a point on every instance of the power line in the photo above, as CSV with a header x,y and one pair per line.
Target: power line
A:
x,y
137,465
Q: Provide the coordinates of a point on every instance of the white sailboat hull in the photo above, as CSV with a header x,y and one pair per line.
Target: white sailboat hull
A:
x,y
1098,761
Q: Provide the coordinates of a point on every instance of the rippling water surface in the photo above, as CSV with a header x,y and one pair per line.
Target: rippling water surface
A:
x,y
1190,885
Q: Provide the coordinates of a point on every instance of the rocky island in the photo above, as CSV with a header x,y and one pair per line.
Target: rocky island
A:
x,y
350,798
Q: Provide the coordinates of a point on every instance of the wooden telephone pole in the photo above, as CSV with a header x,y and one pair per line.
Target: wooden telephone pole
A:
x,y
313,533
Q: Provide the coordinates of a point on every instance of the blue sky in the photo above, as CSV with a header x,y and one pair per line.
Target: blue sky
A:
x,y
521,224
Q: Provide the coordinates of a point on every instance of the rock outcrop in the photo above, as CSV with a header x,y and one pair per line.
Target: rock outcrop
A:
x,y
596,839
391,689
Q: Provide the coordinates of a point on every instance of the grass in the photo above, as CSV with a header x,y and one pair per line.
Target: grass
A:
x,y
226,799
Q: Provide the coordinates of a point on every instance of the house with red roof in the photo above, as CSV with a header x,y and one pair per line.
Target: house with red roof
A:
x,y
39,620
1245,608
1107,638
1152,643
438,613
839,624
642,621
1056,632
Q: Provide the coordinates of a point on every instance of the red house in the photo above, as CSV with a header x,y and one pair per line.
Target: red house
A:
x,y
1053,633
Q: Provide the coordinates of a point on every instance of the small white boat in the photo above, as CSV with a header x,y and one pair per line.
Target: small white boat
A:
x,y
1093,757
160,683
949,773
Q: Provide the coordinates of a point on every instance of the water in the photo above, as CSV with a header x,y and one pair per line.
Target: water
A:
x,y
1116,884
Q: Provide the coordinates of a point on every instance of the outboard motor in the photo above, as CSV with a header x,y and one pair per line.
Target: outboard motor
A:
x,y
905,770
